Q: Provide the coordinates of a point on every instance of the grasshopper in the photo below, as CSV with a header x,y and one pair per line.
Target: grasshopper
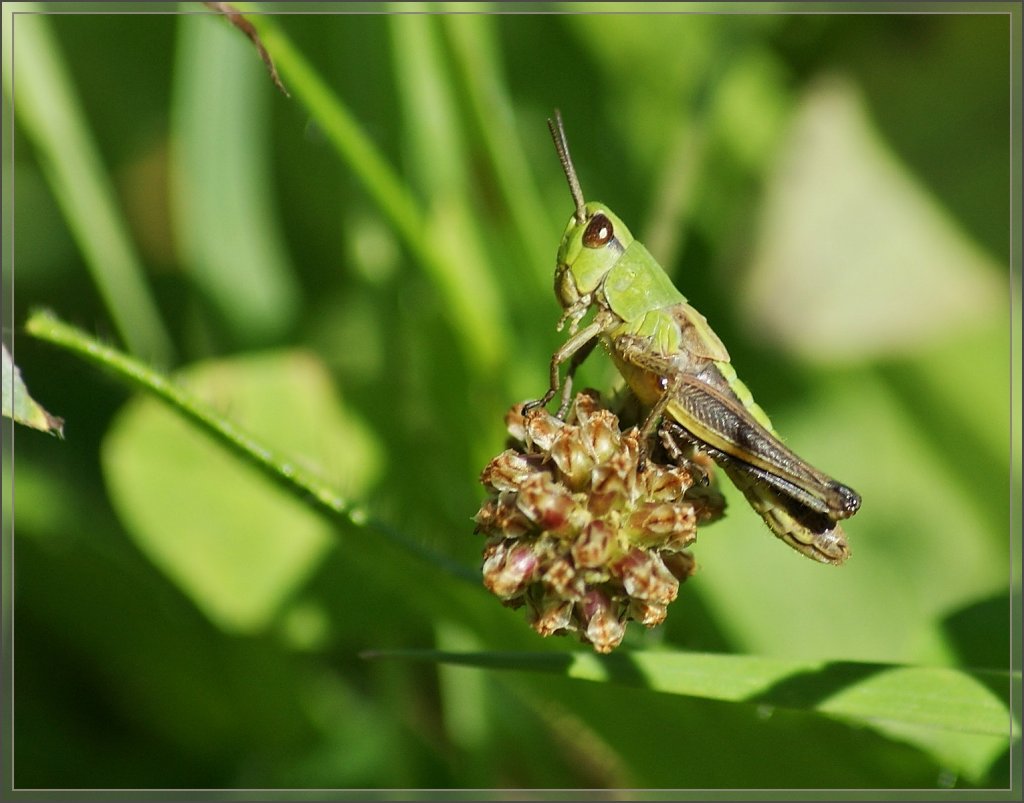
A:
x,y
677,367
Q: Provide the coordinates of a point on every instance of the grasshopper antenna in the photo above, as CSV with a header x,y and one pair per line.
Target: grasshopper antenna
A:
x,y
562,146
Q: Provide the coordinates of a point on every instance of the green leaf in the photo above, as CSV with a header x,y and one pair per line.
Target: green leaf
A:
x,y
232,540
21,407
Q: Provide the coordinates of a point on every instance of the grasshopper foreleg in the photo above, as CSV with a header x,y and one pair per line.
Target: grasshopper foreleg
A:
x,y
575,350
574,363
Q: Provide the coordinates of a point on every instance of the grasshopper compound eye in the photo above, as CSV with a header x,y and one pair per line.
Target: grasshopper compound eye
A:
x,y
599,232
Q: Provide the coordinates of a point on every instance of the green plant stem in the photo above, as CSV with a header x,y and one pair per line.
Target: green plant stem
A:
x,y
471,296
475,48
306,486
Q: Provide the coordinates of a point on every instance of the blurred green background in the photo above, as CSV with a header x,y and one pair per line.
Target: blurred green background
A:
x,y
831,191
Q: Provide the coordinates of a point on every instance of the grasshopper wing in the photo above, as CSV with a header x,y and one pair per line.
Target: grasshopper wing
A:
x,y
715,416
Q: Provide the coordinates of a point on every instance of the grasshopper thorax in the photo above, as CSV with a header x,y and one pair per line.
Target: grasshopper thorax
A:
x,y
589,249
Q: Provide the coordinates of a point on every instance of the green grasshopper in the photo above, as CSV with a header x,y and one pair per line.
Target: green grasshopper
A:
x,y
678,368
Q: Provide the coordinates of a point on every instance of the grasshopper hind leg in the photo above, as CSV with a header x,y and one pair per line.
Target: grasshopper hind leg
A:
x,y
651,370
810,532
814,534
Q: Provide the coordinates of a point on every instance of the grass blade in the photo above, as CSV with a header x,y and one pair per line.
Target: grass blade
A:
x,y
936,697
229,234
471,296
49,112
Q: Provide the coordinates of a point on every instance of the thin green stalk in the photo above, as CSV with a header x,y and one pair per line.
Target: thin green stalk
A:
x,y
474,46
471,296
302,484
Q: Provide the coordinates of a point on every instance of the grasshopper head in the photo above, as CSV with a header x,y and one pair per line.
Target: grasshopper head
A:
x,y
589,249
594,238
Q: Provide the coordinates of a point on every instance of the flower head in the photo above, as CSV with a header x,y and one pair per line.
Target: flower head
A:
x,y
582,530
